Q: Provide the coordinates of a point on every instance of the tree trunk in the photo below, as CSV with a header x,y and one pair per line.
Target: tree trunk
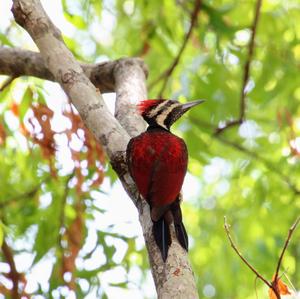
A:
x,y
83,84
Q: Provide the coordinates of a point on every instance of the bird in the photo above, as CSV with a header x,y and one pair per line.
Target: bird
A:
x,y
157,161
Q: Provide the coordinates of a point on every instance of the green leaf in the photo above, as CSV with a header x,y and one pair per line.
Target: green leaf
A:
x,y
41,97
70,212
26,102
1,233
119,284
249,179
76,20
5,95
5,40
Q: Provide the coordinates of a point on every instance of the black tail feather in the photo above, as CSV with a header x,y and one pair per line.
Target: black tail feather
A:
x,y
181,233
162,236
182,236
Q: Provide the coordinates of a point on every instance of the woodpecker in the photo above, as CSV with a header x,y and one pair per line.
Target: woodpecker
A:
x,y
157,161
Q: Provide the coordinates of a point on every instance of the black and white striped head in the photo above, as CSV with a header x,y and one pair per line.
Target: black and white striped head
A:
x,y
163,113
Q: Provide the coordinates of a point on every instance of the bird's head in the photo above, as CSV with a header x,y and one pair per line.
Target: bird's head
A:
x,y
164,113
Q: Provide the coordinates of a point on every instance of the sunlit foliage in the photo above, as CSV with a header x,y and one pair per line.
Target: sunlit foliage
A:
x,y
51,175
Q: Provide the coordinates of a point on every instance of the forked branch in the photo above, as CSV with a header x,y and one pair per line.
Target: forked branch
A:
x,y
112,132
246,74
234,247
274,283
287,241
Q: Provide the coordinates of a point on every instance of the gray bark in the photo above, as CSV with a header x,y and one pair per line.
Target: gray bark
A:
x,y
173,279
16,62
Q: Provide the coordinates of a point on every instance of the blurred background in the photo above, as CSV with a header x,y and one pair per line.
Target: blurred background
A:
x,y
67,228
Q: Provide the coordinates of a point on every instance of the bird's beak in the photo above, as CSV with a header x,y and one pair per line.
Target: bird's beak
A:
x,y
187,106
180,110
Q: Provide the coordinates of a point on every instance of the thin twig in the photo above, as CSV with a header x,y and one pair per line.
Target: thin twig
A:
x,y
168,72
227,125
291,231
246,75
7,82
19,197
274,284
250,56
13,274
265,161
258,275
254,155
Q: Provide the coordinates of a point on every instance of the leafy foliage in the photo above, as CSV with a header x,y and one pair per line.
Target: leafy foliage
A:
x,y
248,171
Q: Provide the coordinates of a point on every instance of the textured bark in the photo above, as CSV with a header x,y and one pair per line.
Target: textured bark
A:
x,y
130,88
173,279
67,71
17,62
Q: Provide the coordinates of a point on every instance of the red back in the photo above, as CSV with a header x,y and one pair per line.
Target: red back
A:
x,y
157,162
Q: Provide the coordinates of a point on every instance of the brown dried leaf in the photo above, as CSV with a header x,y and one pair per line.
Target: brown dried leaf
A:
x,y
98,181
2,134
14,107
43,115
80,180
74,235
281,287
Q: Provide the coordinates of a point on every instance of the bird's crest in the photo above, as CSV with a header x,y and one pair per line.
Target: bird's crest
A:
x,y
146,105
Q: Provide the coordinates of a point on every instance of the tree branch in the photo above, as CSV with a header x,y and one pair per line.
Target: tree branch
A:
x,y
67,71
127,75
240,148
234,247
291,231
30,193
173,279
14,275
263,160
246,75
249,59
168,72
6,83
274,284
17,62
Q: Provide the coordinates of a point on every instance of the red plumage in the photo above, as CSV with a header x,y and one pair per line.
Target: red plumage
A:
x,y
157,161
158,166
145,105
